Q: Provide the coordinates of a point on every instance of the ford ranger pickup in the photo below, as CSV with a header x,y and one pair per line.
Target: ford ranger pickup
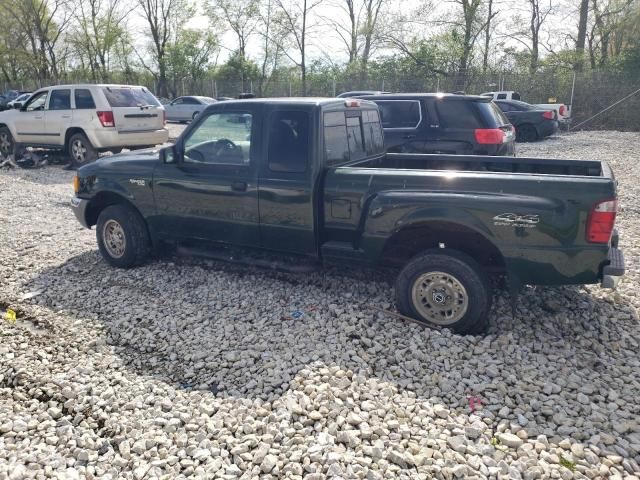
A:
x,y
309,178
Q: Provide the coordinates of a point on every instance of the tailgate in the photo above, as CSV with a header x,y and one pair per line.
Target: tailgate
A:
x,y
135,109
136,119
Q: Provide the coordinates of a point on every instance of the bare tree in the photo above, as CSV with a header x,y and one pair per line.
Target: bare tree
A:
x,y
487,35
43,23
582,34
241,16
270,50
294,23
97,30
163,18
361,34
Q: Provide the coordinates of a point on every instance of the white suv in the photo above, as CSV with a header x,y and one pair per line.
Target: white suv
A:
x,y
84,120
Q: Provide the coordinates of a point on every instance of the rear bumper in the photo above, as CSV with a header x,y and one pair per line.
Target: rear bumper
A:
x,y
79,207
104,138
614,270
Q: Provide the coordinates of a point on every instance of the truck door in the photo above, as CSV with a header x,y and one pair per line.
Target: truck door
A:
x,y
213,193
286,182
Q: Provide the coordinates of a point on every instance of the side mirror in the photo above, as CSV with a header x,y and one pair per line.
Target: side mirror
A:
x,y
169,155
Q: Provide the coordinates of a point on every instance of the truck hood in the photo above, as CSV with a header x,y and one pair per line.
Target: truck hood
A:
x,y
140,163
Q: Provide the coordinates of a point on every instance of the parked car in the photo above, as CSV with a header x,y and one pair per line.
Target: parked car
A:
x,y
444,123
185,109
84,120
563,112
531,122
19,101
8,97
309,179
361,93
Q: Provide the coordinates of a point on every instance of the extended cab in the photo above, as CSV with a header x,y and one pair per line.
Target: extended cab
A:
x,y
309,178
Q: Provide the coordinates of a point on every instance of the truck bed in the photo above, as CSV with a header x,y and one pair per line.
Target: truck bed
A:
x,y
473,163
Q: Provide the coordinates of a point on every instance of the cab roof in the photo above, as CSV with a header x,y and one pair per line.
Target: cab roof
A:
x,y
415,96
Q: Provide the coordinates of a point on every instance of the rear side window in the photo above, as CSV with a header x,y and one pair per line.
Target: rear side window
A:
x,y
515,96
373,138
60,100
190,101
458,114
129,97
336,144
492,115
84,99
289,141
502,96
356,138
399,113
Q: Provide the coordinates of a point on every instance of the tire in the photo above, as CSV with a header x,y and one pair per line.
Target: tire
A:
x,y
116,151
195,114
435,280
526,133
81,151
123,238
7,145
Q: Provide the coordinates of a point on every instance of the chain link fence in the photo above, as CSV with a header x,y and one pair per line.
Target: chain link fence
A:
x,y
588,93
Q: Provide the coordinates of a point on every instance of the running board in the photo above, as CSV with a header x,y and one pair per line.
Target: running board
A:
x,y
231,257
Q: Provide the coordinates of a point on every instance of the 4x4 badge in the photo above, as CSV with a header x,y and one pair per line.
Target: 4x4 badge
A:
x,y
515,220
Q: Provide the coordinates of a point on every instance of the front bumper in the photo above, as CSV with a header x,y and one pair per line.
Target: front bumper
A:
x,y
79,207
614,270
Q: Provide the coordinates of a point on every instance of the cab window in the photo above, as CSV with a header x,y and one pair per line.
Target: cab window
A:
x,y
220,138
289,141
83,99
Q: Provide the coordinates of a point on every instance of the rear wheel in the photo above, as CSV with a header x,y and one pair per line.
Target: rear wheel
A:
x,y
526,133
7,145
445,289
123,238
195,114
81,151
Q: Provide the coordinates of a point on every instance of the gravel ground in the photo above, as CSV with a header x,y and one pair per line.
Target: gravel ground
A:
x,y
186,368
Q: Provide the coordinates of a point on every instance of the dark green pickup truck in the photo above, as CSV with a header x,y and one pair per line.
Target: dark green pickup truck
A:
x,y
309,178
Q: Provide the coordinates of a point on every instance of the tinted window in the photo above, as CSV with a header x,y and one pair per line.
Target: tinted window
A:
x,y
129,96
521,106
458,114
505,107
515,96
222,138
37,102
373,138
336,145
60,100
492,115
399,113
84,99
502,96
289,141
355,137
190,101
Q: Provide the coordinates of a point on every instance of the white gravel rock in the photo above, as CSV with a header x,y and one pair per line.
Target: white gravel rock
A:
x,y
187,368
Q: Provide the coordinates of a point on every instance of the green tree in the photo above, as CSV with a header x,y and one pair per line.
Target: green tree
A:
x,y
190,57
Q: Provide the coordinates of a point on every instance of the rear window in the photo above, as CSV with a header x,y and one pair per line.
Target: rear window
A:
x,y
459,114
336,143
129,97
399,113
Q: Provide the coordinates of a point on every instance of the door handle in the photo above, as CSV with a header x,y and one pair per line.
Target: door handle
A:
x,y
239,186
408,137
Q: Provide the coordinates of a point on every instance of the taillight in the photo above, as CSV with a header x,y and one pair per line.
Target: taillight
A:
x,y
351,103
601,221
548,115
490,136
562,110
106,119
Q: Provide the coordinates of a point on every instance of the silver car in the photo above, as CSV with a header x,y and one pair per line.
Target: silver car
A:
x,y
184,109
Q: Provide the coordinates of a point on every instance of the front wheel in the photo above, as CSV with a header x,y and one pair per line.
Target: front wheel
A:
x,y
81,151
445,289
195,114
123,238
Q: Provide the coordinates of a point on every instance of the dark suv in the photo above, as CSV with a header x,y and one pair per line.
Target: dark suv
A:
x,y
444,123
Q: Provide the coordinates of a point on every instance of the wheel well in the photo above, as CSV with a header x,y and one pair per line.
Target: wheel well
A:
x,y
408,242
101,201
70,133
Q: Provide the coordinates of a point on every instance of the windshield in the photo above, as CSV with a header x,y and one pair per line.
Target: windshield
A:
x,y
523,105
129,97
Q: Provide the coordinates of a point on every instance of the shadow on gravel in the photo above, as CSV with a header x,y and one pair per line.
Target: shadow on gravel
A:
x,y
233,331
